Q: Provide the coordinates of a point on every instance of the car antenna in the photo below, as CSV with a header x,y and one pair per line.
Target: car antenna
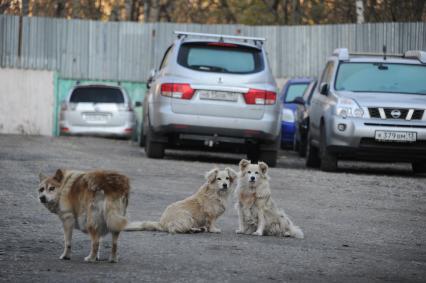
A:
x,y
384,51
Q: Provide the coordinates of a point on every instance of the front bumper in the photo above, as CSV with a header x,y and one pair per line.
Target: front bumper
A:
x,y
287,132
358,140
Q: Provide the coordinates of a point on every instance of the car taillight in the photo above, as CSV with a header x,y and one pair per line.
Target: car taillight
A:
x,y
125,107
260,97
181,91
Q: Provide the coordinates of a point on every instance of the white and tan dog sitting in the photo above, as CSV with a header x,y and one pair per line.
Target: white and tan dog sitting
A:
x,y
93,202
257,212
198,212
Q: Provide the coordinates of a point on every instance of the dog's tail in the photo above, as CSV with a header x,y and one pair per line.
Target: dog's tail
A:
x,y
144,226
291,229
115,214
295,231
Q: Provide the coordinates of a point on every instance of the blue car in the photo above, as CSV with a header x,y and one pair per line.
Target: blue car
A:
x,y
292,89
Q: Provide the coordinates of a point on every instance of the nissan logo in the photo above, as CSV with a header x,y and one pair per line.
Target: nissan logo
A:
x,y
395,113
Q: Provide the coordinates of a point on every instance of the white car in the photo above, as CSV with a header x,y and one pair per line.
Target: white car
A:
x,y
97,110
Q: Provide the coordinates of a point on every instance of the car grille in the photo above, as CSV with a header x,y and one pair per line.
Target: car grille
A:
x,y
416,114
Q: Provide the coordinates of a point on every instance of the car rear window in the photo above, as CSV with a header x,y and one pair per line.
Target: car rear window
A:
x,y
220,58
97,95
381,77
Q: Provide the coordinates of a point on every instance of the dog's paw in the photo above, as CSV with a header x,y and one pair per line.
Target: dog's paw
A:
x,y
215,230
113,259
65,257
90,259
239,231
257,233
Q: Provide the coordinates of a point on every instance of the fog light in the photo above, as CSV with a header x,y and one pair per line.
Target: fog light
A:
x,y
341,127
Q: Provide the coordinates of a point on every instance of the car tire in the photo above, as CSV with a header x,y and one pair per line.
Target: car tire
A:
x,y
312,159
302,148
296,144
141,137
328,160
153,149
269,157
418,168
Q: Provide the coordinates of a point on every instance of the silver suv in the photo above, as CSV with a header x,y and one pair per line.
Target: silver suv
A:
x,y
369,107
213,92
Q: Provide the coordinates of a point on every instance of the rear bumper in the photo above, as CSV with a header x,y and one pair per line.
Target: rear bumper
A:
x,y
357,141
165,121
120,131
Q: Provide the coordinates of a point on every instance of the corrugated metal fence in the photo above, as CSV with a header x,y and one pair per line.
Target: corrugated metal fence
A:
x,y
126,51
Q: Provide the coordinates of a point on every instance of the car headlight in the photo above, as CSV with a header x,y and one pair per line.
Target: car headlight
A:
x,y
347,107
288,115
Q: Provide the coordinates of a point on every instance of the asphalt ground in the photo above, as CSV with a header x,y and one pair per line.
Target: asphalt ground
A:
x,y
365,223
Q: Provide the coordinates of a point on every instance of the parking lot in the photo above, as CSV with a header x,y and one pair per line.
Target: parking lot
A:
x,y
365,223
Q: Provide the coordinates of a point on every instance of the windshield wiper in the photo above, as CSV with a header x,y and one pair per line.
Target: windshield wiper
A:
x,y
209,68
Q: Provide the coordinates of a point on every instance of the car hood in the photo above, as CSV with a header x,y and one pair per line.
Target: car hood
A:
x,y
378,99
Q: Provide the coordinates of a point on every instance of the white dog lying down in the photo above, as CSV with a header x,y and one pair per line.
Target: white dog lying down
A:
x,y
258,214
198,212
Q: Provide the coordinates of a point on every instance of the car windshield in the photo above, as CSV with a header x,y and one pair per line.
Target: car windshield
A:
x,y
220,58
381,77
97,95
295,90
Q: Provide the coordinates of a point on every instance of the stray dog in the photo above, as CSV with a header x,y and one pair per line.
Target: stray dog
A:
x,y
197,213
93,202
257,212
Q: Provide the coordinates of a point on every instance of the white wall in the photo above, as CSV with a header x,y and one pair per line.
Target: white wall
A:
x,y
26,102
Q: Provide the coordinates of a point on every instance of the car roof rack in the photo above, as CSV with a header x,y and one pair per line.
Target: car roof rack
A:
x,y
343,54
182,34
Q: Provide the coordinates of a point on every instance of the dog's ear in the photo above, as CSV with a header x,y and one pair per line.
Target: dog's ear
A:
x,y
231,173
243,164
41,176
263,167
59,175
211,175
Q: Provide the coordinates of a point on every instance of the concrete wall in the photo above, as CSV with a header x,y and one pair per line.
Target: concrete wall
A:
x,y
26,102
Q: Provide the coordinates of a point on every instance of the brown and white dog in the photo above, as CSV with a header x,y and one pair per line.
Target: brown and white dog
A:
x,y
94,202
198,212
258,214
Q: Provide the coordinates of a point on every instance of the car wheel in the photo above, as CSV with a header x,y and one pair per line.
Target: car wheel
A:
x,y
296,144
302,148
328,160
312,159
153,149
141,137
269,157
418,167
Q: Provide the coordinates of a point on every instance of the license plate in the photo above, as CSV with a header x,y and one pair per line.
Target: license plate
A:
x,y
218,95
395,136
95,117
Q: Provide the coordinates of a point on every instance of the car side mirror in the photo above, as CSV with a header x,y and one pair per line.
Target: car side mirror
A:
x,y
138,104
152,74
299,100
324,88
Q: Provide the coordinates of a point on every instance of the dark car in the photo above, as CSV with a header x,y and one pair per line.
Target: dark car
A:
x,y
291,90
301,117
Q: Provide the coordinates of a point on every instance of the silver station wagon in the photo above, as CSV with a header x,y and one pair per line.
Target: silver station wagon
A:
x,y
97,110
369,107
213,92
